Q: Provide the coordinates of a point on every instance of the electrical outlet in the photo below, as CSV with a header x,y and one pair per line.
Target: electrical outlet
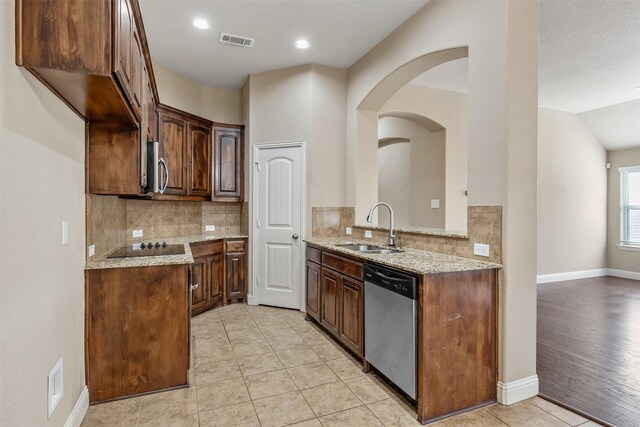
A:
x,y
65,232
137,233
92,250
55,387
209,228
136,246
348,231
435,204
368,234
480,249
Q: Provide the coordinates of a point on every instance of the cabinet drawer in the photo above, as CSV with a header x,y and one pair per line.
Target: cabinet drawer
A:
x,y
346,266
235,246
314,254
200,250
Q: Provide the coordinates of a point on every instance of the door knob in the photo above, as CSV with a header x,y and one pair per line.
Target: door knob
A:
x,y
295,237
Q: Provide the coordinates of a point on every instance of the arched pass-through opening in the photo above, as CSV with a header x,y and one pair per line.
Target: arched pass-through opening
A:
x,y
368,113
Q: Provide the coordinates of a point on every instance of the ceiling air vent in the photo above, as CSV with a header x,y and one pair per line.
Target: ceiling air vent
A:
x,y
236,40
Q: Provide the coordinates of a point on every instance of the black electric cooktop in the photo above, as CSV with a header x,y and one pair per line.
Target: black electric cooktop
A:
x,y
147,249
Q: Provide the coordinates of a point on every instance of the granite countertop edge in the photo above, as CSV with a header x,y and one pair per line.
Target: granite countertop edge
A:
x,y
411,260
150,261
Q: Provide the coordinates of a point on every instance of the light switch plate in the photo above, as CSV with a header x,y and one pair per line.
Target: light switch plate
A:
x,y
65,232
92,250
137,233
435,204
348,231
209,228
367,234
480,249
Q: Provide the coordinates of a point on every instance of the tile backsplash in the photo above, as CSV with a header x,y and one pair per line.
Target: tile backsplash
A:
x,y
110,220
484,225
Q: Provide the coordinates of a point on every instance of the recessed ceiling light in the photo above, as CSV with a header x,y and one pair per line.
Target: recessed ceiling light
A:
x,y
200,24
303,44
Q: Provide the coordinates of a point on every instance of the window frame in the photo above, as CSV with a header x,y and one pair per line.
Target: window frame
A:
x,y
625,242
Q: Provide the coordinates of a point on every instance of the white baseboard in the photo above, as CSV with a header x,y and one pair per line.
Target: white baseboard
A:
x,y
571,275
251,300
79,409
515,391
634,275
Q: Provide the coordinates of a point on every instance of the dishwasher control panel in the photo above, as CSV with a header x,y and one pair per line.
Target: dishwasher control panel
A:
x,y
392,280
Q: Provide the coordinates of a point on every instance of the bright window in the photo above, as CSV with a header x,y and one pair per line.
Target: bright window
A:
x,y
630,206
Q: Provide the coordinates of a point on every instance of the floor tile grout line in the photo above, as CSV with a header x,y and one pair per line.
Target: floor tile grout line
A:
x,y
544,410
496,417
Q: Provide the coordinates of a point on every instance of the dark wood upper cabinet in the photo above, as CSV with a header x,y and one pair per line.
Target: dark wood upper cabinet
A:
x,y
228,181
186,141
199,168
87,53
172,132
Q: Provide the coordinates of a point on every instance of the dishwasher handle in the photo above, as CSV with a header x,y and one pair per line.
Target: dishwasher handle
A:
x,y
392,280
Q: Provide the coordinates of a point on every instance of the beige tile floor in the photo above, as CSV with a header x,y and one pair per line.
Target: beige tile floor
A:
x,y
262,366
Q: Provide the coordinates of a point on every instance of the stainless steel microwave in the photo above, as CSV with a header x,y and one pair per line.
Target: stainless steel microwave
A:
x,y
157,172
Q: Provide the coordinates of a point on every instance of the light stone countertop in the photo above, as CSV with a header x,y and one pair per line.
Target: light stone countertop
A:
x,y
148,261
411,260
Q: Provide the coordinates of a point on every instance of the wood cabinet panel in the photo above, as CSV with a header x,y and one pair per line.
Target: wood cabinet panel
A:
x,y
123,44
137,62
215,265
235,245
343,265
330,295
313,254
199,160
228,181
313,289
136,330
173,139
235,276
352,315
199,295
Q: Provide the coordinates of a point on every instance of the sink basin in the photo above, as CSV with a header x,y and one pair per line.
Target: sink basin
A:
x,y
370,249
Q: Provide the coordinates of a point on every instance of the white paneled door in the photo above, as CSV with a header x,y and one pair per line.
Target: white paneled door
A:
x,y
278,224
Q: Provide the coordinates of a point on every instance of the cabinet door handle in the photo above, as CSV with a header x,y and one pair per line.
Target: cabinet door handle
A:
x,y
194,287
166,175
295,237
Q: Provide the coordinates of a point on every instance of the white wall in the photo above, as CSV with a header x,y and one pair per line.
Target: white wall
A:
x,y
502,37
411,174
213,103
572,195
42,289
450,110
619,259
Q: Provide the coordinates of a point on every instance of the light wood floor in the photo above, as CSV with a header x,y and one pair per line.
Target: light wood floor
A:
x,y
589,347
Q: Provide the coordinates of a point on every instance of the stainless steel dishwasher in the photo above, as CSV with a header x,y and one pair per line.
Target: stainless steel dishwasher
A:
x,y
391,316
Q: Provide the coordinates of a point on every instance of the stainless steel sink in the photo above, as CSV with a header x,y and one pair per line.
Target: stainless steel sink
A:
x,y
370,249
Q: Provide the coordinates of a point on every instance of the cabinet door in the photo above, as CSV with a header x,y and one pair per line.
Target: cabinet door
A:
x,y
200,282
330,307
313,289
136,73
216,278
123,40
199,160
352,315
235,276
228,185
173,138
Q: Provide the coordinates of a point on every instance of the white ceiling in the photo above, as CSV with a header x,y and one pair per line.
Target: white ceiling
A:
x,y
340,32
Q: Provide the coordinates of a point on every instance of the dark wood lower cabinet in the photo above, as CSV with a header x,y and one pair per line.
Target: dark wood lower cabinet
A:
x,y
136,330
235,267
313,289
457,328
330,310
352,314
220,271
